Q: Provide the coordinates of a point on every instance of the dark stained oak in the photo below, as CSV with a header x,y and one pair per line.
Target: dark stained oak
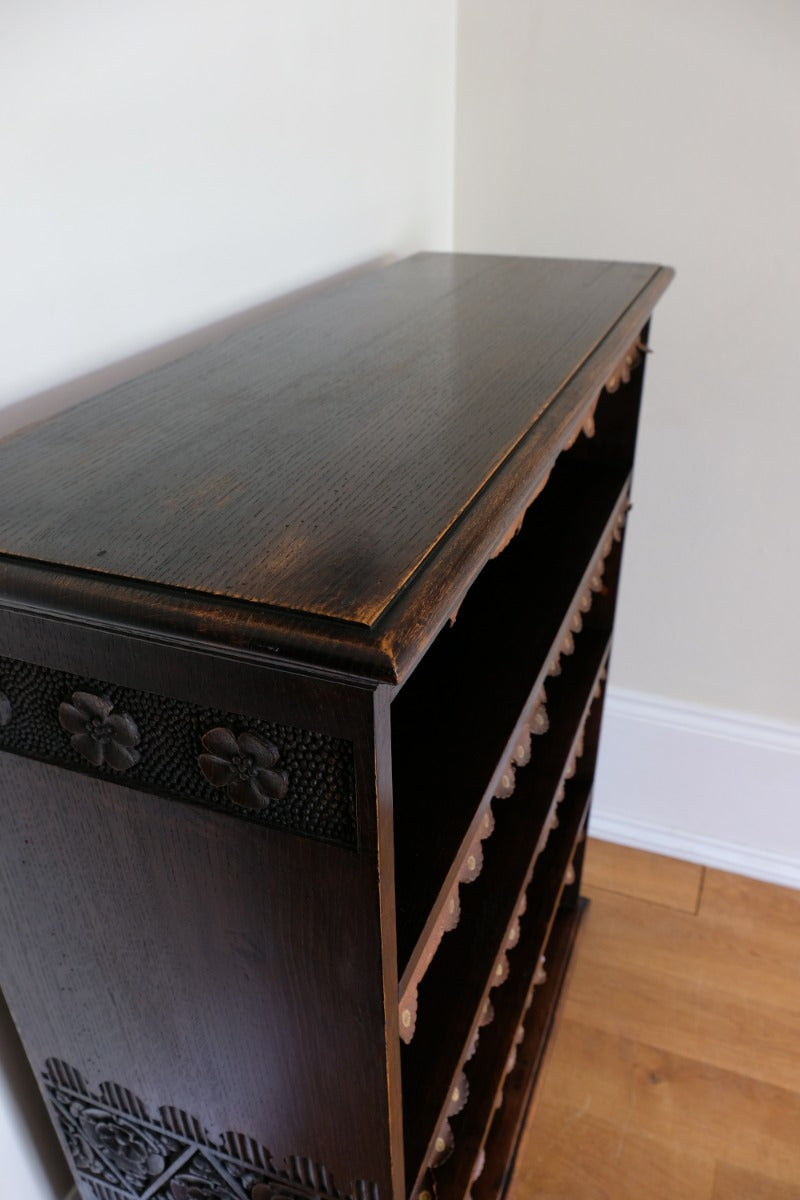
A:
x,y
450,686
313,463
433,1059
502,1141
302,648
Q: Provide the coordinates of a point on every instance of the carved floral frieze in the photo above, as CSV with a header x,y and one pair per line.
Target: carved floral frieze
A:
x,y
99,734
258,770
121,1151
245,766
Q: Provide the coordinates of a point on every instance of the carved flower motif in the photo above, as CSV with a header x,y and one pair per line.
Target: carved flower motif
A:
x,y
5,709
98,733
244,766
122,1145
80,1149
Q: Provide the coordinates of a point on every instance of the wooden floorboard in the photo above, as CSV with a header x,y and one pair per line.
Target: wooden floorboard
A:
x,y
653,877
732,1183
676,1068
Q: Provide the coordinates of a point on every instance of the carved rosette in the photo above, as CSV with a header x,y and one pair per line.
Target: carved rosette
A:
x,y
122,1152
248,767
244,766
100,735
133,1153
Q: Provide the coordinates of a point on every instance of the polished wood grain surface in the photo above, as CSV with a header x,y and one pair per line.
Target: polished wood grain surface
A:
x,y
310,464
675,1069
341,437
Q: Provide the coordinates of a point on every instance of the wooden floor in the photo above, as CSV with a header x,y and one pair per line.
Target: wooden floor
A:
x,y
675,1072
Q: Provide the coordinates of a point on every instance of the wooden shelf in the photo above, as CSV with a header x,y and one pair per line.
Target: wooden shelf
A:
x,y
302,648
505,1129
487,1073
460,977
441,797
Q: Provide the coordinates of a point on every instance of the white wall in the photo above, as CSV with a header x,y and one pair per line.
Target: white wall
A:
x,y
636,129
167,163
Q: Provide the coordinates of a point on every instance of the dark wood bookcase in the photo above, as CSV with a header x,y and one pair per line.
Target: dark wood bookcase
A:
x,y
303,641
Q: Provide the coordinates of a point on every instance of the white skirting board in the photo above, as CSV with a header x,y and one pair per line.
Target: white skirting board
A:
x,y
712,787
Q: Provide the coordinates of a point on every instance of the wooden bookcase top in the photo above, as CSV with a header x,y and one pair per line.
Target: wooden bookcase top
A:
x,y
323,484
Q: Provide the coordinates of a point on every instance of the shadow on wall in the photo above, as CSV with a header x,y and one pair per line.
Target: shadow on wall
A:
x,y
22,1084
24,413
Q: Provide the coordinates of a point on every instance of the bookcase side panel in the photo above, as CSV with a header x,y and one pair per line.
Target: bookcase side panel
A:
x,y
199,991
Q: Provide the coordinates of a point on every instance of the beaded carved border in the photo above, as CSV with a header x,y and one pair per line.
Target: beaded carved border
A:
x,y
121,1152
272,774
444,1141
